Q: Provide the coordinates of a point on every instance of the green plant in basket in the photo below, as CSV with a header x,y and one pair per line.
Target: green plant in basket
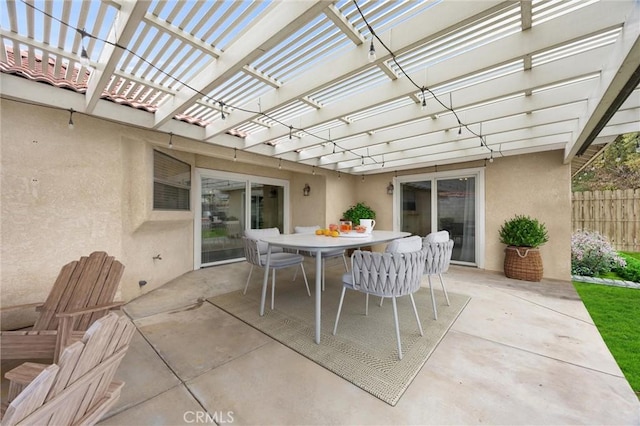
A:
x,y
523,231
357,212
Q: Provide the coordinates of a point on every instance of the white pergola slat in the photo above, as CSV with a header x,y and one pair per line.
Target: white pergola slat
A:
x,y
533,76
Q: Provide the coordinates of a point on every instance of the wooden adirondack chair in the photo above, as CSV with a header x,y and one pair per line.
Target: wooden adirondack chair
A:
x,y
80,388
83,292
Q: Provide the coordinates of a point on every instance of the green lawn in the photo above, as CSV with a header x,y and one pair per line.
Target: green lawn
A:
x,y
616,313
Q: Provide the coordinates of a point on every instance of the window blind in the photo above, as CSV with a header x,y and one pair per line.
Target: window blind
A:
x,y
171,183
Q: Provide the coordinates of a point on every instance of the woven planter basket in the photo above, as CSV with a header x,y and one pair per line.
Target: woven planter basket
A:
x,y
523,263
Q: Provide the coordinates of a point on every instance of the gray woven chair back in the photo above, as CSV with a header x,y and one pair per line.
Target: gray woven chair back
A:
x,y
438,256
387,274
251,251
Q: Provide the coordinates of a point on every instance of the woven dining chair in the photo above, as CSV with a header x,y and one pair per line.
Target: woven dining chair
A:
x,y
386,275
439,250
279,260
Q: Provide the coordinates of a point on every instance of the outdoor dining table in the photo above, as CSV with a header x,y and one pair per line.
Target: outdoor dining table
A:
x,y
319,244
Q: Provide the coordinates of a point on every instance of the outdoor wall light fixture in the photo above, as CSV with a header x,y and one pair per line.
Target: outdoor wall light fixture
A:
x,y
390,188
71,111
306,190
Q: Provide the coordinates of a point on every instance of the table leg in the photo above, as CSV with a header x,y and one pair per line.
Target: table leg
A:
x,y
318,294
265,281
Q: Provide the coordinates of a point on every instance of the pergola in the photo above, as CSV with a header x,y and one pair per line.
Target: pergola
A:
x,y
451,81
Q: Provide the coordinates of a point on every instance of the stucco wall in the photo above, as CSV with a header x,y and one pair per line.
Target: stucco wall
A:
x,y
66,193
61,192
537,185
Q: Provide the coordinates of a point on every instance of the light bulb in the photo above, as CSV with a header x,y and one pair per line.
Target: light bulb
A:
x,y
372,52
84,57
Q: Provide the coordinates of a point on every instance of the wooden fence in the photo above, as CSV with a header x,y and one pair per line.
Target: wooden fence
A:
x,y
614,214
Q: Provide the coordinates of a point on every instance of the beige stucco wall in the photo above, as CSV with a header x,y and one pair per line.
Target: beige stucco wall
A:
x,y
66,193
537,185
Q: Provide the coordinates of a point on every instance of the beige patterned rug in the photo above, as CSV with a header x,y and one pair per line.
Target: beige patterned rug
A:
x,y
364,350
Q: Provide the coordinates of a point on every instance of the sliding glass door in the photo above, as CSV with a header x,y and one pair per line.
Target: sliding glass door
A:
x,y
223,212
222,219
456,210
445,201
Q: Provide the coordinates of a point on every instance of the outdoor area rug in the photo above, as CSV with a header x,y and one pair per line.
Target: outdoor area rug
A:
x,y
364,349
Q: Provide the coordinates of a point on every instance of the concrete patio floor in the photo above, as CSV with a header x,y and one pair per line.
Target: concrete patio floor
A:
x,y
520,353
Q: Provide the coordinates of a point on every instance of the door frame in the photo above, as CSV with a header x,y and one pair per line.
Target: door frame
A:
x,y
239,177
478,174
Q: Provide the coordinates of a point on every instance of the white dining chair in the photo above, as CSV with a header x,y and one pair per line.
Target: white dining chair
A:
x,y
255,252
325,255
439,250
386,275
403,245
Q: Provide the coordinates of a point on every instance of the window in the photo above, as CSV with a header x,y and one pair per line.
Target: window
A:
x,y
171,183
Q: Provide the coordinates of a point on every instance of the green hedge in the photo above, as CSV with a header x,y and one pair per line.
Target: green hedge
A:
x,y
632,271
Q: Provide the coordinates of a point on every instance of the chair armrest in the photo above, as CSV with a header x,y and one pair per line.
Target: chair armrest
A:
x,y
24,306
65,326
82,311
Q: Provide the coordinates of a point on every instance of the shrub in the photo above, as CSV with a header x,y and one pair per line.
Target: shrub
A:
x,y
523,231
632,270
592,254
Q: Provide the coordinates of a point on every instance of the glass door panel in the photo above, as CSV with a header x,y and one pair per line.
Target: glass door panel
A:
x,y
456,213
415,202
267,206
223,216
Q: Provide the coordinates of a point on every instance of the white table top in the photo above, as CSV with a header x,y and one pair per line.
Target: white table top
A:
x,y
319,244
322,242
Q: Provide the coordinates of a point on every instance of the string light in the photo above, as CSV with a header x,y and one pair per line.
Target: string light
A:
x,y
84,34
280,164
84,57
424,101
70,125
421,88
313,170
372,51
371,55
235,154
170,140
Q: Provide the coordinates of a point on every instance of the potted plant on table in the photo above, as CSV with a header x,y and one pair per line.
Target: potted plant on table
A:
x,y
357,212
523,236
354,214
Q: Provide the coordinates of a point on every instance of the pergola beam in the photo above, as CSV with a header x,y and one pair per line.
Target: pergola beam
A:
x,y
277,24
131,13
619,79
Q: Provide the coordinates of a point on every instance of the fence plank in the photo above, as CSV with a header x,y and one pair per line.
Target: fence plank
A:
x,y
614,214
